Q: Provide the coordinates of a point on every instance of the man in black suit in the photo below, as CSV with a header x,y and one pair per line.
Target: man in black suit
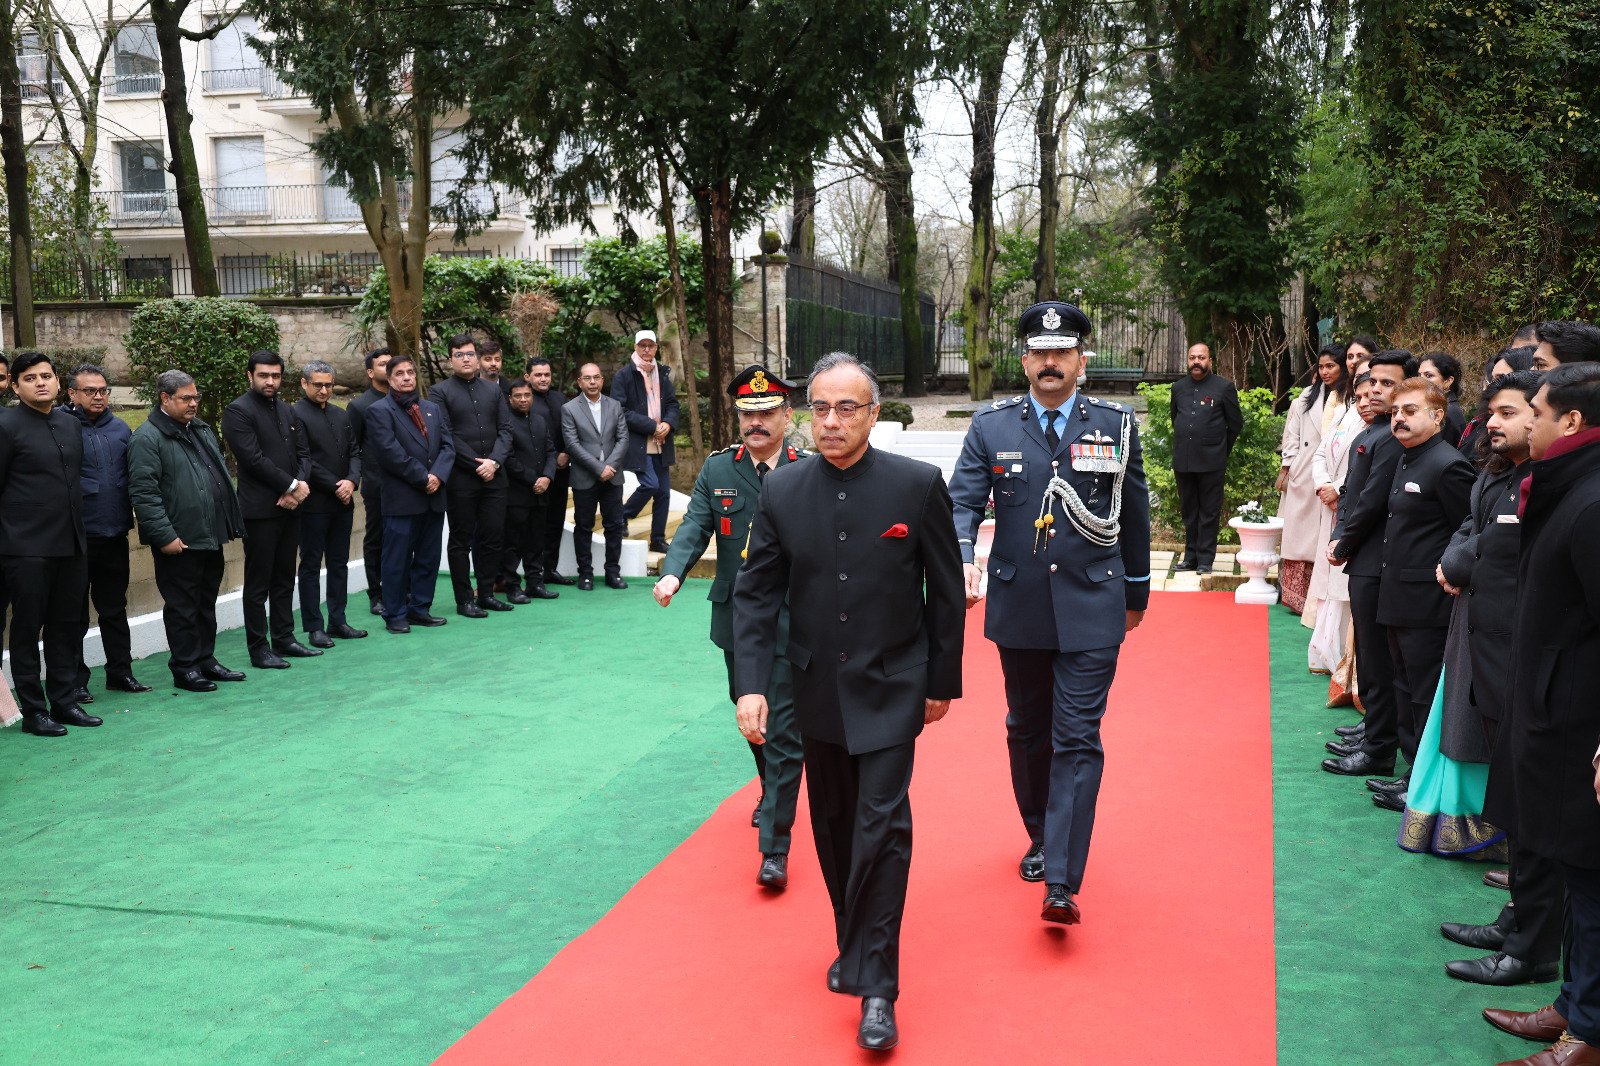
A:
x,y
863,548
491,358
644,389
43,547
409,440
269,447
531,470
328,514
1206,420
1565,342
541,377
1556,642
1357,542
1429,496
596,432
371,481
1481,563
480,431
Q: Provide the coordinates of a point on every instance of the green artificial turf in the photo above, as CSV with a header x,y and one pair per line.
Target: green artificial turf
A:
x,y
1360,960
359,857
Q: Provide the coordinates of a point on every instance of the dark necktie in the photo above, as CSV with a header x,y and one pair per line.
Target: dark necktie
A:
x,y
761,471
1051,437
415,411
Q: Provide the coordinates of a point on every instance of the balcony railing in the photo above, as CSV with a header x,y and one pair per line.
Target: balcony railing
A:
x,y
132,84
273,87
264,204
221,81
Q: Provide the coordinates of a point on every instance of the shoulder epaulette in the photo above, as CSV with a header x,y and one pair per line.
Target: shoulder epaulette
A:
x,y
723,451
1110,404
998,405
796,453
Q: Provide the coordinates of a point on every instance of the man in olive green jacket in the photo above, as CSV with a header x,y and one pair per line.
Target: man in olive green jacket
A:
x,y
186,509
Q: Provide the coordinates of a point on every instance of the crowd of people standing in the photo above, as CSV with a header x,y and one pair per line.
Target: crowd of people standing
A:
x,y
1444,567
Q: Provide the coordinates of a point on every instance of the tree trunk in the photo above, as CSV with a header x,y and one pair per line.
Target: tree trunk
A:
x,y
978,299
1231,357
900,213
167,15
15,156
803,227
669,226
1044,128
716,207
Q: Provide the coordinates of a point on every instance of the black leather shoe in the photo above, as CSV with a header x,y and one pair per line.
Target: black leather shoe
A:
x,y
660,546
1483,937
42,725
1359,765
1032,865
215,671
468,609
126,683
1500,879
1183,565
419,618
755,817
585,584
1501,969
296,650
319,639
774,872
1389,784
1343,748
539,592
494,603
615,582
72,714
1059,906
397,627
193,681
1202,569
835,982
1351,730
553,578
269,661
83,695
344,631
376,608
1390,801
877,1032
518,597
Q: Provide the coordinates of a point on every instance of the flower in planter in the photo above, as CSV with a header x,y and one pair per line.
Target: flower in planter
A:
x,y
1251,511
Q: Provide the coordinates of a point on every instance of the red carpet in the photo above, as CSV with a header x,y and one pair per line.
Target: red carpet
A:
x,y
1174,961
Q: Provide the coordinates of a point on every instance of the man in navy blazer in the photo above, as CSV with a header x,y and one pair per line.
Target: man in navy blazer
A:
x,y
410,440
650,404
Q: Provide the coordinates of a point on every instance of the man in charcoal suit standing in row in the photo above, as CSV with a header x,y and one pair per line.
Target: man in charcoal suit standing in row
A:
x,y
531,470
545,393
480,432
596,433
269,446
328,514
372,481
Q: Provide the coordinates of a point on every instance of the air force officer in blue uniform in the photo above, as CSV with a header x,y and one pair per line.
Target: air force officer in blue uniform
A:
x,y
1069,575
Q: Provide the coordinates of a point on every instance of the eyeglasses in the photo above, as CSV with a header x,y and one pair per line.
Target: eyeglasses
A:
x,y
92,392
188,399
846,409
319,385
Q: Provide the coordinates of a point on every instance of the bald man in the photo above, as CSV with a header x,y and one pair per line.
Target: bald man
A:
x,y
1206,420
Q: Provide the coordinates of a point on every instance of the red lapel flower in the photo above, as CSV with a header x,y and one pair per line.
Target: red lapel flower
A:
x,y
899,529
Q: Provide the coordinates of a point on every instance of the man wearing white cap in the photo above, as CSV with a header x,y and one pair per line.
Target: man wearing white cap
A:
x,y
650,404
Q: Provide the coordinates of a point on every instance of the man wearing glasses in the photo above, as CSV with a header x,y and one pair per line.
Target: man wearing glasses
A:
x,y
861,547
107,517
328,514
186,509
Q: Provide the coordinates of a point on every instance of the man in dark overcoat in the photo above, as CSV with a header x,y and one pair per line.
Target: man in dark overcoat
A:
x,y
1206,420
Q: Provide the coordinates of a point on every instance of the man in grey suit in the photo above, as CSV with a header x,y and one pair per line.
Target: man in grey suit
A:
x,y
596,432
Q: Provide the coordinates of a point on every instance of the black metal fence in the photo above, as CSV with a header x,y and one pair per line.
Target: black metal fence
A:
x,y
835,310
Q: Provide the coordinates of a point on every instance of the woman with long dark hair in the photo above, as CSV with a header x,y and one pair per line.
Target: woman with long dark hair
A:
x,y
1312,414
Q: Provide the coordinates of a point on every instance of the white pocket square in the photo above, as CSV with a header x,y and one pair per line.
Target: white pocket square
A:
x,y
1412,486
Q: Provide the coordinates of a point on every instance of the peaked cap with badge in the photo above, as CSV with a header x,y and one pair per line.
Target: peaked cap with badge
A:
x,y
1054,324
758,389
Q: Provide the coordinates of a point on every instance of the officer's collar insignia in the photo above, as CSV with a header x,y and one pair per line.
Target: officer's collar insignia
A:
x,y
738,455
1051,320
793,455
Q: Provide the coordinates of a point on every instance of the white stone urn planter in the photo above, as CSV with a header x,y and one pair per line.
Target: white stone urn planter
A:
x,y
1258,550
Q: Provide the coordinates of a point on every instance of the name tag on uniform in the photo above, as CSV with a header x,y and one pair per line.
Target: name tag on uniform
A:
x,y
1508,520
1412,486
1003,456
1096,458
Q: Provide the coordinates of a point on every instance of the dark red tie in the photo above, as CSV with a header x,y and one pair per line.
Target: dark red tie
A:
x,y
416,416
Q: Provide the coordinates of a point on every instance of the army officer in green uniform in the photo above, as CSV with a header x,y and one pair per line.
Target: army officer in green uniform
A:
x,y
723,506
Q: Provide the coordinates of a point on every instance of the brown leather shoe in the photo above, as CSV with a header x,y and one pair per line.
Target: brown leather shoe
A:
x,y
1500,879
1544,1025
1564,1052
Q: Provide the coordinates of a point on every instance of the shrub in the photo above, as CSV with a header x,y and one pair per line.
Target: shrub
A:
x,y
1252,466
895,411
209,338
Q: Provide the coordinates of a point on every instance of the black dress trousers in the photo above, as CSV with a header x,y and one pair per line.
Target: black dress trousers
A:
x,y
607,496
525,525
555,517
1200,500
861,819
477,513
108,588
325,540
1417,653
189,583
1579,1001
372,538
46,599
1374,670
270,545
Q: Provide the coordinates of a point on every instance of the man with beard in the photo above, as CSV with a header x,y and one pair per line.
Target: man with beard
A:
x,y
722,506
1206,420
1481,563
372,482
1555,720
859,544
1069,579
542,378
490,361
1357,541
650,403
328,514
